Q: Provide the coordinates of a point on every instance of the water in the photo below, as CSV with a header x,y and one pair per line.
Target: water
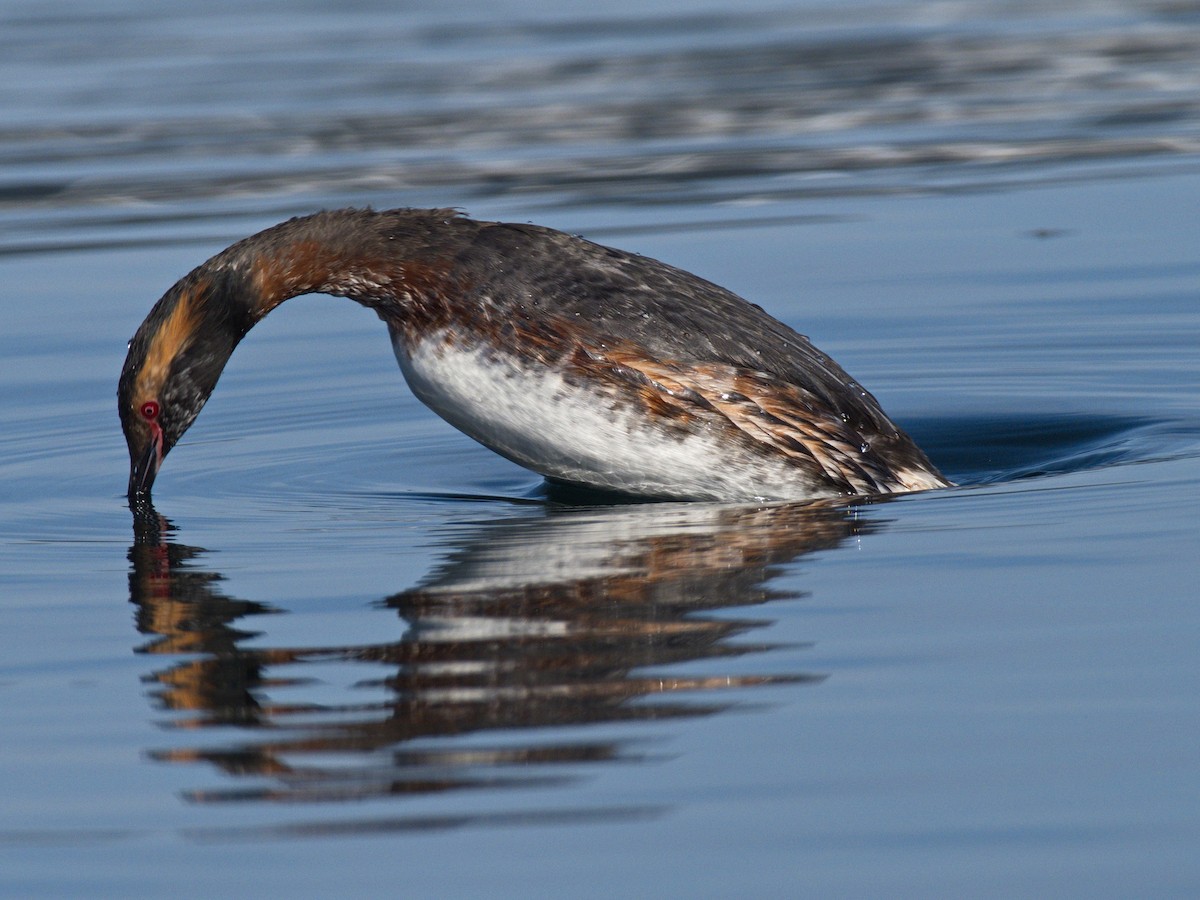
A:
x,y
353,651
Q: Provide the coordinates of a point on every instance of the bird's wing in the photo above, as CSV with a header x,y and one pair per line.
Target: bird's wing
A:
x,y
779,417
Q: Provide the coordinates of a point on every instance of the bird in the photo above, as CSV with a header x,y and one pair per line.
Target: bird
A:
x,y
592,366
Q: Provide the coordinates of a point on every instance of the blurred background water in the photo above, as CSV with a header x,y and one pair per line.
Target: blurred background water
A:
x,y
355,652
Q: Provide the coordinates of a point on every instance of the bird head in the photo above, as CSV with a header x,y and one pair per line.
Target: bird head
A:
x,y
173,364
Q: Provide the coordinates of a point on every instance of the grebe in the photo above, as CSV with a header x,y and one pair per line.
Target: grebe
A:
x,y
588,365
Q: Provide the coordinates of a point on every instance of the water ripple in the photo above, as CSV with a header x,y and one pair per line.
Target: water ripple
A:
x,y
726,108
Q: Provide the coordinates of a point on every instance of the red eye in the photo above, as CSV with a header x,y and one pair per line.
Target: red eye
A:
x,y
149,410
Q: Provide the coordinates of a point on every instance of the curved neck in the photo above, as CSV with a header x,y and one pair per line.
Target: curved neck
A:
x,y
400,263
383,260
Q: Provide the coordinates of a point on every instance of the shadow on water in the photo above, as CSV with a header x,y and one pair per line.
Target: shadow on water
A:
x,y
988,449
580,616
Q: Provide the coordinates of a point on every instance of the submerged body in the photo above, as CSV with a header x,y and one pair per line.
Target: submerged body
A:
x,y
586,364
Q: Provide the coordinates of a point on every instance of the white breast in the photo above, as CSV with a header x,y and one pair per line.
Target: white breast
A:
x,y
534,417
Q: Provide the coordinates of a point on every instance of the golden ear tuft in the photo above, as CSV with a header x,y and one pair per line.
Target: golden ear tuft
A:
x,y
172,338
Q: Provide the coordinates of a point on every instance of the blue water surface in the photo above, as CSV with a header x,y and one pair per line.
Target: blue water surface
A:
x,y
349,651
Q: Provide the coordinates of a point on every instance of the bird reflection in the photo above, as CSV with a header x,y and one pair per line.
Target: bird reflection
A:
x,y
574,616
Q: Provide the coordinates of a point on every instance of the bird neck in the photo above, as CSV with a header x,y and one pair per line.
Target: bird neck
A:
x,y
382,260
